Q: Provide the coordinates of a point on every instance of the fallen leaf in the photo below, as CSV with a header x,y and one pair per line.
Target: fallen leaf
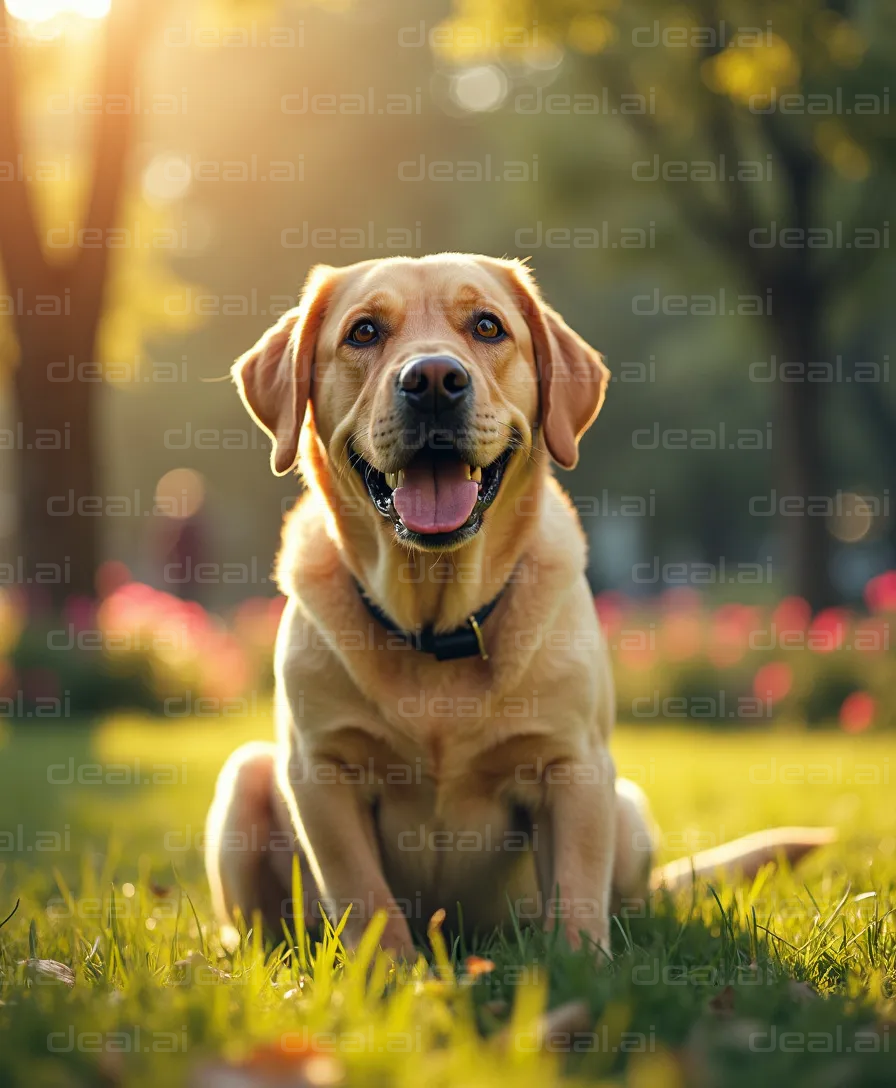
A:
x,y
44,972
722,1003
272,1065
477,965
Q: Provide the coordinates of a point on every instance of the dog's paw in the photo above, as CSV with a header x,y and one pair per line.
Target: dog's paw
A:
x,y
397,940
595,935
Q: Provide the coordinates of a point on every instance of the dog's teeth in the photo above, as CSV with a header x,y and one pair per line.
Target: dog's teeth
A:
x,y
399,479
392,479
476,474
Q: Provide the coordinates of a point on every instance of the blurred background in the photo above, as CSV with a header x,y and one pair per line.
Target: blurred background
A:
x,y
703,190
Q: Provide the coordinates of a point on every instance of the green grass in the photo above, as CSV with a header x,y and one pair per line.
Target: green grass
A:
x,y
785,981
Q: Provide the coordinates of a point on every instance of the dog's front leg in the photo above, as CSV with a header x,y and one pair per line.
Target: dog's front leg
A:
x,y
581,829
336,829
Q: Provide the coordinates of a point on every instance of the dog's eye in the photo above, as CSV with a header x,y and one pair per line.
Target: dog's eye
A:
x,y
488,327
362,333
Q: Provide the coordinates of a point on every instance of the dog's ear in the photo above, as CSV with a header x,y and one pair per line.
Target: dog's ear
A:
x,y
572,378
274,377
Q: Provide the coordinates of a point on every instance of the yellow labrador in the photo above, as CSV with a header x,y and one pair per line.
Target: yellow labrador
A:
x,y
444,698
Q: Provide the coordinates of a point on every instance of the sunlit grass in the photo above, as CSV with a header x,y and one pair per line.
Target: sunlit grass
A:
x,y
691,995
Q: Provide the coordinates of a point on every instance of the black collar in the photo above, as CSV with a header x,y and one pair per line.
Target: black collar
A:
x,y
464,641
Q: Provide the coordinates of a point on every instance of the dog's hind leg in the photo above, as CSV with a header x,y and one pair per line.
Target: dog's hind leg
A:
x,y
250,844
635,844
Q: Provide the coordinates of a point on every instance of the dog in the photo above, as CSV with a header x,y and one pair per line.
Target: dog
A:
x,y
444,699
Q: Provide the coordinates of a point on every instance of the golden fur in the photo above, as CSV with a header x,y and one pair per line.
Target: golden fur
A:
x,y
399,780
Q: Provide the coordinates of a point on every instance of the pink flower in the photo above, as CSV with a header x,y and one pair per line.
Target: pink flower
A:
x,y
611,610
880,592
682,635
681,599
857,712
792,614
773,681
828,629
732,625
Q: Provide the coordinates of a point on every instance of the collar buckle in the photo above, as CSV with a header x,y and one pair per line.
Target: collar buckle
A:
x,y
480,640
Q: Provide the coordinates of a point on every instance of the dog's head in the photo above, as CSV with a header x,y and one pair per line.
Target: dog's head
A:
x,y
426,383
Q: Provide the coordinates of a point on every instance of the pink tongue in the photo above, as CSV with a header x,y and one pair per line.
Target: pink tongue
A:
x,y
435,498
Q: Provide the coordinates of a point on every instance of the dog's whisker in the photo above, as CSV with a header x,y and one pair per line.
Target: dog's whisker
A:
x,y
347,450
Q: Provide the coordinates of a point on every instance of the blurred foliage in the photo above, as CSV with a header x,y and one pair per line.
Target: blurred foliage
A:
x,y
250,244
741,666
137,649
730,666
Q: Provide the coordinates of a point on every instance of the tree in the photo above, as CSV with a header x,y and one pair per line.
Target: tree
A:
x,y
57,308
805,83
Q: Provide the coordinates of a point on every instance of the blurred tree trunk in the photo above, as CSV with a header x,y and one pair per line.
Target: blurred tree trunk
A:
x,y
799,318
880,415
802,471
57,315
59,505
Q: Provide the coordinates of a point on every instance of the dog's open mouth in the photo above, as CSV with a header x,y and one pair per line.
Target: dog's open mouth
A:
x,y
438,499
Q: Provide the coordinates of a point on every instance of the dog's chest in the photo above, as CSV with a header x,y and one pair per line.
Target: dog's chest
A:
x,y
441,842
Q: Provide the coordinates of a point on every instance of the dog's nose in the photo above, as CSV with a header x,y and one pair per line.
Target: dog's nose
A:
x,y
434,383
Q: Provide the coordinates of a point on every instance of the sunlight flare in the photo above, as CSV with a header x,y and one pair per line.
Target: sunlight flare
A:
x,y
41,11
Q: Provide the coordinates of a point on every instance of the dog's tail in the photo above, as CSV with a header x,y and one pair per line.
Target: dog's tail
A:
x,y
742,857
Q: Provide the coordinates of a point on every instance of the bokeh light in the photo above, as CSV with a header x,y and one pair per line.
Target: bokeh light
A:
x,y
180,493
853,520
479,89
39,11
167,178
